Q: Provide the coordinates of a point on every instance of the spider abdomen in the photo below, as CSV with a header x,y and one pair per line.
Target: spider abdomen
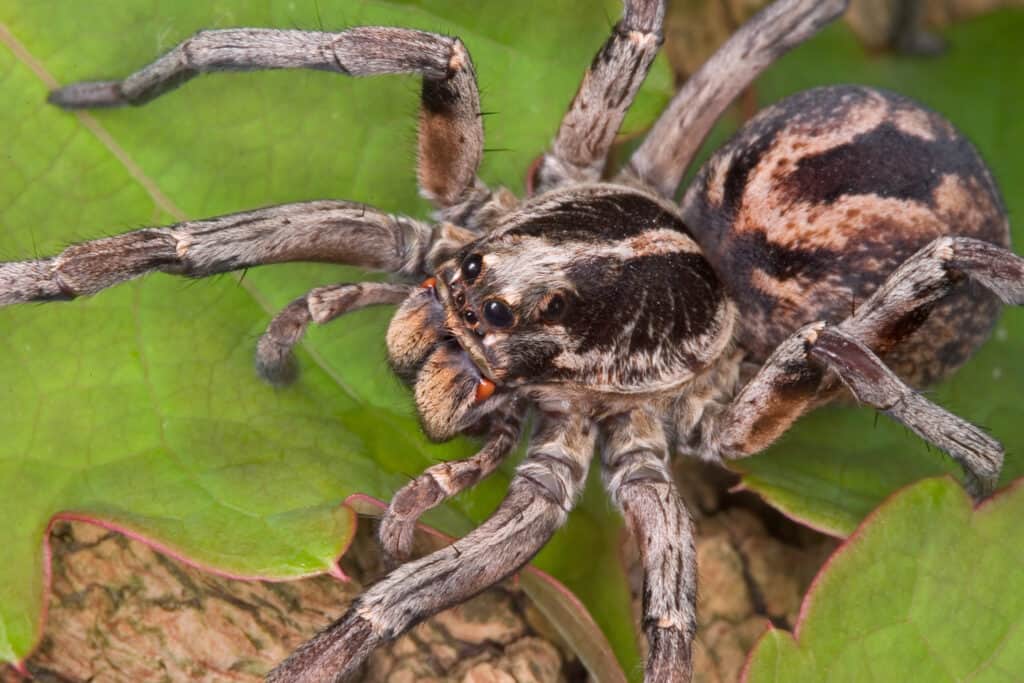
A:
x,y
819,198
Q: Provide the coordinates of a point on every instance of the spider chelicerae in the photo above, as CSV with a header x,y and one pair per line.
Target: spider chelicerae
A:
x,y
625,322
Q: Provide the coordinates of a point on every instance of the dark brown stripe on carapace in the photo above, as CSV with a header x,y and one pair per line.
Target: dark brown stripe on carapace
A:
x,y
660,301
531,358
602,218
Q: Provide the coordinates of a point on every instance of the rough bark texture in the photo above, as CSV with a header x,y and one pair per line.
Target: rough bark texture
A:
x,y
754,566
120,611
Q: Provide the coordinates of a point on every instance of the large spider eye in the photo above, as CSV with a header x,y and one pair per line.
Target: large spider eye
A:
x,y
497,313
471,266
554,309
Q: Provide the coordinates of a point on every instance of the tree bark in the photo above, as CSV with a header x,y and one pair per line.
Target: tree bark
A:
x,y
120,611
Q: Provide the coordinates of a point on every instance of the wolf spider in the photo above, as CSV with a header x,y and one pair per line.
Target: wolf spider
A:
x,y
627,323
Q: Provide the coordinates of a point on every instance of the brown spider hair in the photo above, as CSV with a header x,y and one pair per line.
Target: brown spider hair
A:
x,y
624,322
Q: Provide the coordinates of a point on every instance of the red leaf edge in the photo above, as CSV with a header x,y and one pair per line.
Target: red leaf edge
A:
x,y
353,504
850,542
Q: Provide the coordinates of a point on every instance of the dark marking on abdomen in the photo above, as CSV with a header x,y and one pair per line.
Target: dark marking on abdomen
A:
x,y
819,198
886,162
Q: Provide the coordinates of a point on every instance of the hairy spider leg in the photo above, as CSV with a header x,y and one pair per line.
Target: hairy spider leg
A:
x,y
274,358
446,479
328,231
933,272
451,134
872,383
636,471
661,160
545,488
580,149
794,379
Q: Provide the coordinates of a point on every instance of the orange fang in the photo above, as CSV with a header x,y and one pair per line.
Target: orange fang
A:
x,y
484,390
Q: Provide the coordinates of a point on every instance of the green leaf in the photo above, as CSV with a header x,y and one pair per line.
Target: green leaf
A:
x,y
926,589
140,408
837,465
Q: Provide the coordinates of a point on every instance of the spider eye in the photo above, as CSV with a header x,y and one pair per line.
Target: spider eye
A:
x,y
471,266
497,313
554,309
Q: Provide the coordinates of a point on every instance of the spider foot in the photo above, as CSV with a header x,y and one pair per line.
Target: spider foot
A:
x,y
275,361
396,538
275,365
88,95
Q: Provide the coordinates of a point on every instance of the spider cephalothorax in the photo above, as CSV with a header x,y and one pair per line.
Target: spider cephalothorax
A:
x,y
840,227
536,307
